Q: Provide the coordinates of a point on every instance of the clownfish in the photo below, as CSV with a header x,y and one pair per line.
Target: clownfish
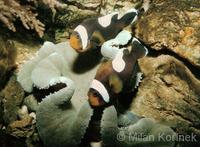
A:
x,y
93,32
117,76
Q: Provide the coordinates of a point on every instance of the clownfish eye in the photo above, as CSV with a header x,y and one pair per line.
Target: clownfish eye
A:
x,y
77,35
95,94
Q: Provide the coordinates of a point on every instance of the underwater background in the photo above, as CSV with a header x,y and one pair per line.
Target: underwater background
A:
x,y
166,100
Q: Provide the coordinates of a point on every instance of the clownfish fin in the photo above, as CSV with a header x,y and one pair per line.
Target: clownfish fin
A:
x,y
138,49
115,83
138,79
97,38
129,17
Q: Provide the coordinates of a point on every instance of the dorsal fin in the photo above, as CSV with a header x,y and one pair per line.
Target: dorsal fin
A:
x,y
138,49
128,17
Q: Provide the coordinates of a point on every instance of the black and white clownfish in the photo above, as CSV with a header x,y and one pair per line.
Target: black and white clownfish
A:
x,y
117,76
93,32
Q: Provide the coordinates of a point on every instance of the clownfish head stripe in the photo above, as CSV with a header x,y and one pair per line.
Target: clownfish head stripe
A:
x,y
83,35
105,21
100,88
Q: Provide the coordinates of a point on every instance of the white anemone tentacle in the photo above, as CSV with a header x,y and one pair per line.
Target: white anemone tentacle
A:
x,y
25,72
137,131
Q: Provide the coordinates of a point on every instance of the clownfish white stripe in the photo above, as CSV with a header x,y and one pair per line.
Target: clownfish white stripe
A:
x,y
108,50
98,86
105,21
136,17
132,10
129,11
118,63
81,30
146,51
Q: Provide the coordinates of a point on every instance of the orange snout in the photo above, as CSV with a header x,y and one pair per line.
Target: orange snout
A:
x,y
75,42
94,100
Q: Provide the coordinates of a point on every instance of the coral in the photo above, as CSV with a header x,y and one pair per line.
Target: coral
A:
x,y
52,4
10,10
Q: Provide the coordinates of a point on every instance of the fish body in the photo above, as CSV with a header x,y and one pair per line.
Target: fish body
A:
x,y
117,76
93,32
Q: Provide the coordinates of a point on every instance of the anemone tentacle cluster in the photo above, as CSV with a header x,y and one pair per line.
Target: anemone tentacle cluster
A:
x,y
47,68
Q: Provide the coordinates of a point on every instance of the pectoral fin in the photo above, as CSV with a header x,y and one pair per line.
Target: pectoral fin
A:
x,y
116,83
98,38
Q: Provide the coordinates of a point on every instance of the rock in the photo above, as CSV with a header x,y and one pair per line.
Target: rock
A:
x,y
33,115
8,54
31,102
13,95
169,93
173,25
23,112
21,123
8,140
21,128
1,109
108,6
